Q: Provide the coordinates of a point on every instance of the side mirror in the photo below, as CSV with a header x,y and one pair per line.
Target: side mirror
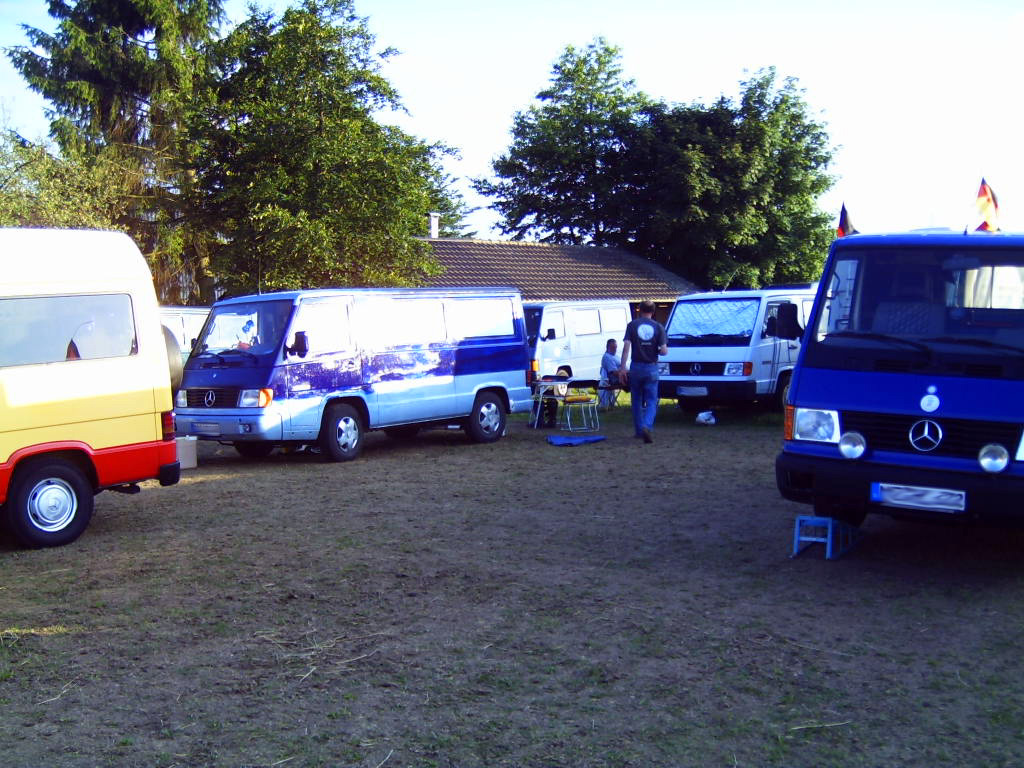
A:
x,y
550,335
300,346
788,326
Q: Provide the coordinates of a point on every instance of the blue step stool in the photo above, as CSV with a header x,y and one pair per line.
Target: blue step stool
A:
x,y
837,536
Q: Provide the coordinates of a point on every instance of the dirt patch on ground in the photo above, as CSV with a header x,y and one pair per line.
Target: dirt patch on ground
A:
x,y
439,603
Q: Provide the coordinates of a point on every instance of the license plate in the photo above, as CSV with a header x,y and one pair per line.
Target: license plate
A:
x,y
692,391
206,428
916,497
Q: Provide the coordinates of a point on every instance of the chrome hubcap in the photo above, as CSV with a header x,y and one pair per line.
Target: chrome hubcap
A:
x,y
490,419
52,505
348,434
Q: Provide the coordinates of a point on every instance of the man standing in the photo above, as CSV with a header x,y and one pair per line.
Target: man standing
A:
x,y
609,373
645,338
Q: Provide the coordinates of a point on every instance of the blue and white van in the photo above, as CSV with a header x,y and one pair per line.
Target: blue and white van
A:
x,y
324,366
908,396
723,347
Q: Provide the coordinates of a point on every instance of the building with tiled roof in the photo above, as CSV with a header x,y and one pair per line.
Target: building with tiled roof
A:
x,y
544,272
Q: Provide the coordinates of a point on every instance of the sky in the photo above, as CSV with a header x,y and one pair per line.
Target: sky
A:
x,y
921,99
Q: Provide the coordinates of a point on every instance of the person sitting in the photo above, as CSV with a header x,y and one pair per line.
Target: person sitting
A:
x,y
609,374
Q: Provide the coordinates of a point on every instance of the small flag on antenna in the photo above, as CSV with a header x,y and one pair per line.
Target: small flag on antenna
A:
x,y
845,227
989,207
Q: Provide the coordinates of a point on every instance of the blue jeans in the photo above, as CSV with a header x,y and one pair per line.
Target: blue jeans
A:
x,y
643,391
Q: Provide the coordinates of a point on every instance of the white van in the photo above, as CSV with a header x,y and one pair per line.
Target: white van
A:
x,y
723,347
568,337
85,387
185,323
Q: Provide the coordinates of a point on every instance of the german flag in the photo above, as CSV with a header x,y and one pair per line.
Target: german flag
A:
x,y
845,227
989,207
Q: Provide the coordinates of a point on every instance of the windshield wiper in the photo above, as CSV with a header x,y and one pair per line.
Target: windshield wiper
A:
x,y
872,336
234,351
968,341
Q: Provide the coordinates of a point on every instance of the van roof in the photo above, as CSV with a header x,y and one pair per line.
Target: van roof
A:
x,y
38,260
808,289
932,238
320,292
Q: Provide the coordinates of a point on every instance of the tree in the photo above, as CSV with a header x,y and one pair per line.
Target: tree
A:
x,y
728,192
120,76
561,179
304,187
41,189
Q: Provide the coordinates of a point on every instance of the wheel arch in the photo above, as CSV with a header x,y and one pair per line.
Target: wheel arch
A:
x,y
356,402
24,460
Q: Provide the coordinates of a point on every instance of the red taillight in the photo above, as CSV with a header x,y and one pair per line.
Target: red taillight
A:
x,y
531,372
748,368
167,424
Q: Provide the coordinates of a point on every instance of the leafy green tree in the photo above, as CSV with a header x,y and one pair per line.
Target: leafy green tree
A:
x,y
41,189
120,76
562,178
728,193
303,185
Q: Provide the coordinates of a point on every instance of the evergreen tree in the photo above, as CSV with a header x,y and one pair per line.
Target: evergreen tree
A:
x,y
120,76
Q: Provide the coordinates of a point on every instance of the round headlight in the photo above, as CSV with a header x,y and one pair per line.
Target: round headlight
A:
x,y
993,458
852,445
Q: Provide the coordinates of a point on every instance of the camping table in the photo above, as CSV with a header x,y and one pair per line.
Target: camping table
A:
x,y
547,389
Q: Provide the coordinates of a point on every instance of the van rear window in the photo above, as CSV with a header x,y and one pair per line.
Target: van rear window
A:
x,y
472,318
50,329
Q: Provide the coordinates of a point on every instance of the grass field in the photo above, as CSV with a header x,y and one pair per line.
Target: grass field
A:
x,y
440,603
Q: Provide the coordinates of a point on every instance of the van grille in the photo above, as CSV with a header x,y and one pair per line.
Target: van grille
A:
x,y
961,438
223,397
687,369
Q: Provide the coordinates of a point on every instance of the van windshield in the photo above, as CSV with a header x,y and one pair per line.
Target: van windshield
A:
x,y
718,322
246,329
949,310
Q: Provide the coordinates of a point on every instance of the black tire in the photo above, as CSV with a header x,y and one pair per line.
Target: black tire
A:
x,y
782,390
341,434
256,450
174,363
845,512
50,503
403,433
486,423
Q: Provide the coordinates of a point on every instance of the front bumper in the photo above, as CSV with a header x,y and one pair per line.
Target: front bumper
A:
x,y
710,390
229,425
990,497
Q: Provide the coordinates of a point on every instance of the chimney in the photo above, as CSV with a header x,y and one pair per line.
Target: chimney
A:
x,y
435,225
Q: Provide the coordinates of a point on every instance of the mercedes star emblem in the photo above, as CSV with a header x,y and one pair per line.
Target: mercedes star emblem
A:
x,y
695,369
925,435
210,398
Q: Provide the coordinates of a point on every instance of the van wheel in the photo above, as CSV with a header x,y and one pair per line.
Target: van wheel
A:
x,y
257,450
562,389
50,504
782,391
487,421
341,434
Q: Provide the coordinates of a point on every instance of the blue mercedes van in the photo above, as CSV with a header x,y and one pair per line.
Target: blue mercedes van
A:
x,y
321,367
908,394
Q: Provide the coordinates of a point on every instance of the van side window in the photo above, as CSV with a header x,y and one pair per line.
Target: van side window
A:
x,y
49,329
325,323
586,321
475,318
404,322
554,320
613,319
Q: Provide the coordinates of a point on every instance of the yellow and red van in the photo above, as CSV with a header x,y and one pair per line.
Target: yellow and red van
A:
x,y
85,393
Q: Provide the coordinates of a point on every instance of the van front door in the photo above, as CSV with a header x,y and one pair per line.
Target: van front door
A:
x,y
775,354
330,367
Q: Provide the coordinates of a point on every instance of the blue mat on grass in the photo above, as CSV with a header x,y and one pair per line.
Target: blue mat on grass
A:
x,y
574,439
